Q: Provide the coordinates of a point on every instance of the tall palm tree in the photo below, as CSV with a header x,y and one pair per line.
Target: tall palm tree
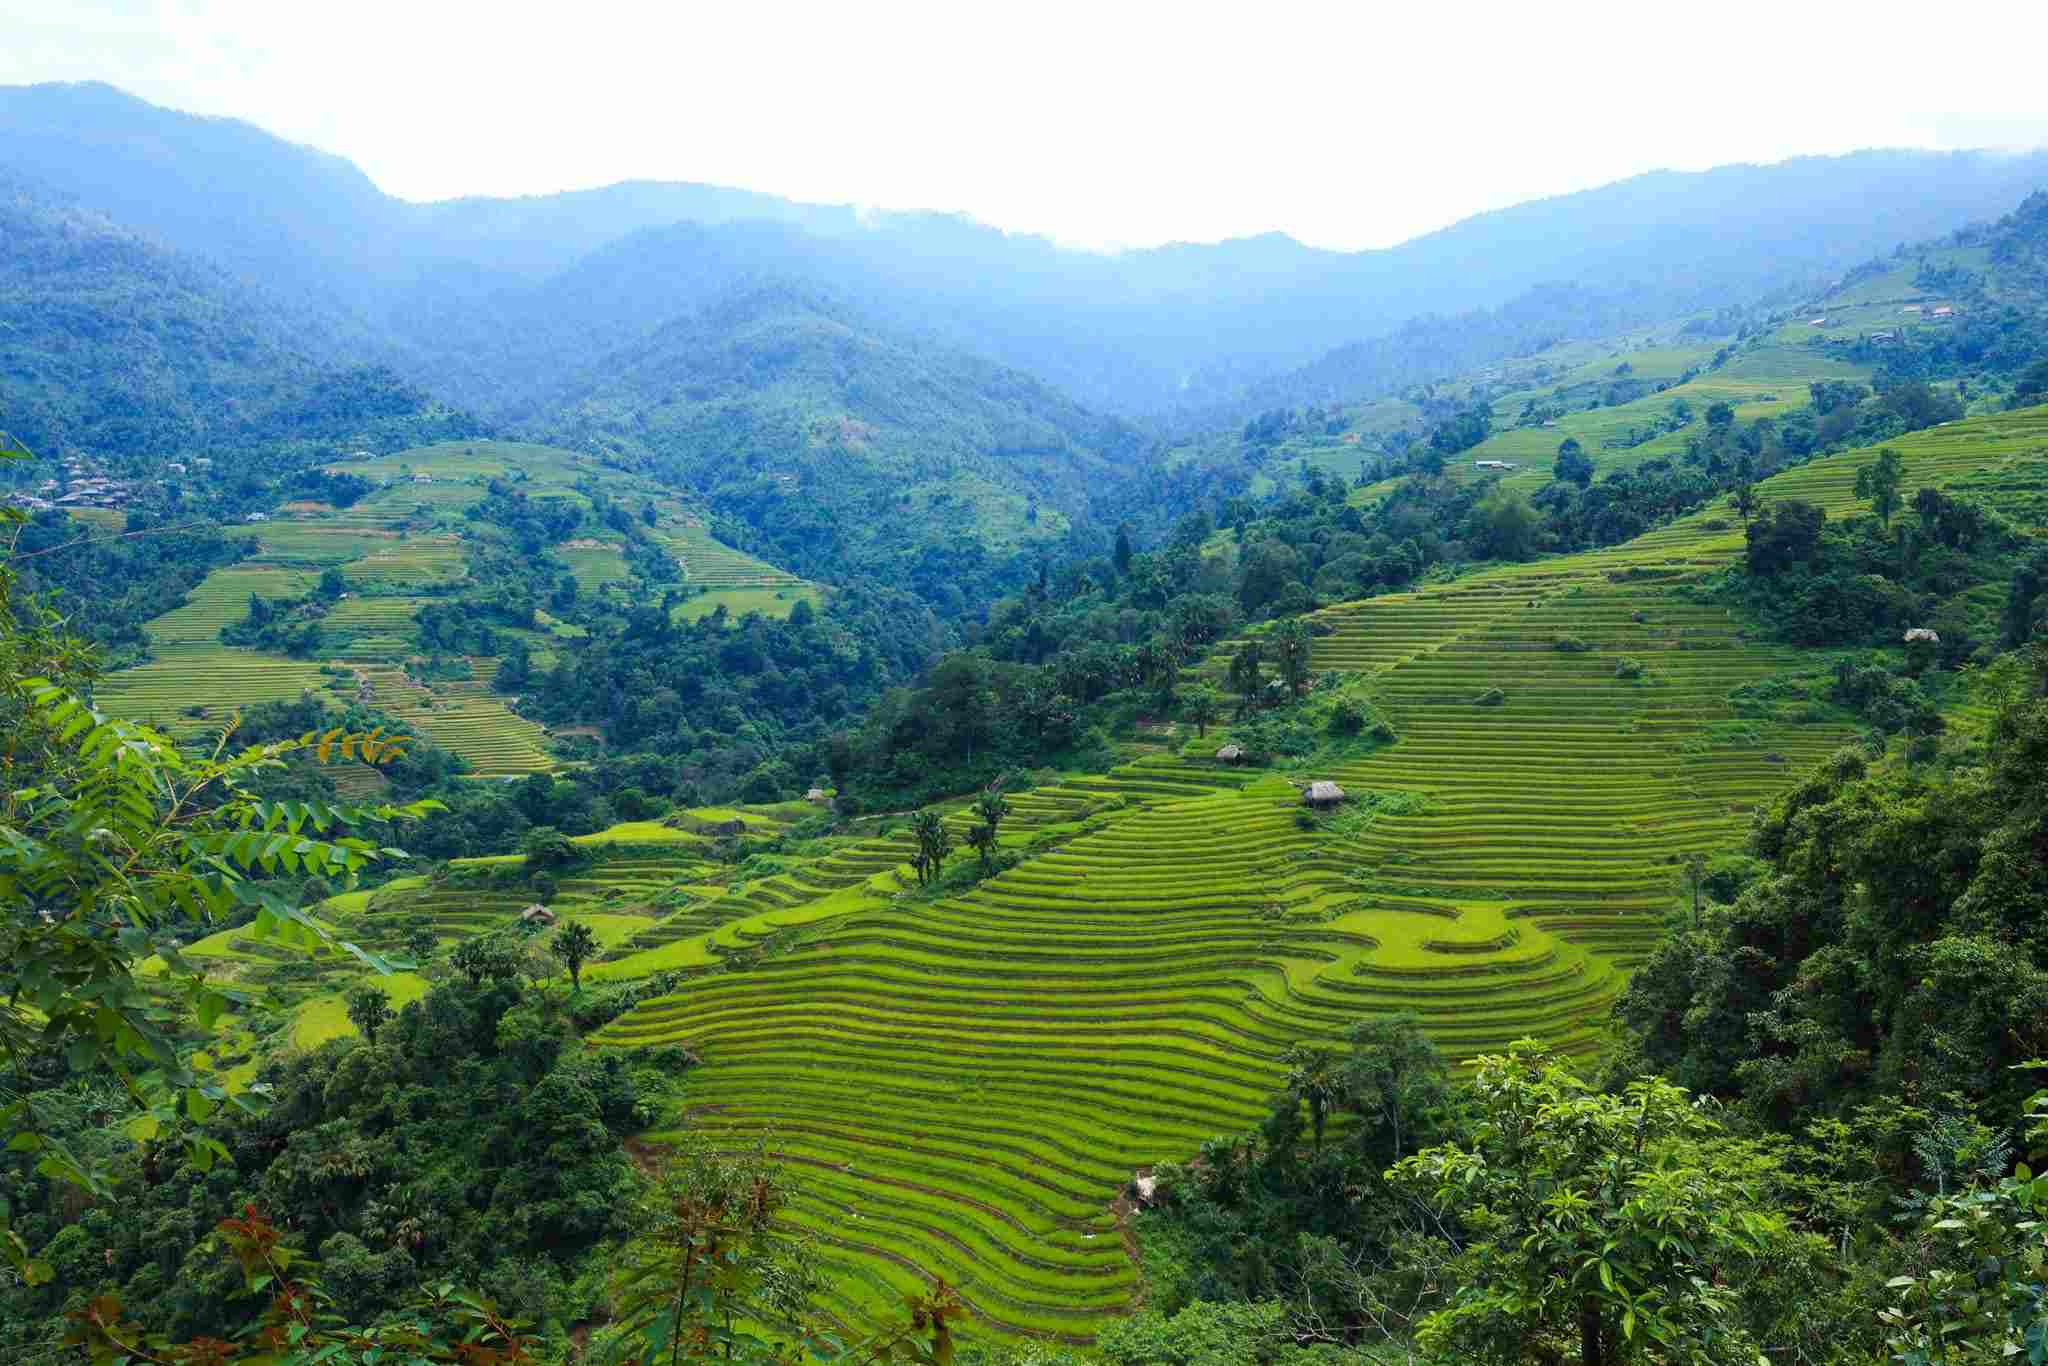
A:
x,y
934,842
992,806
1315,1078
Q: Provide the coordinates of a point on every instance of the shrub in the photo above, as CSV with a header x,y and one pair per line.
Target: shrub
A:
x,y
1571,645
1628,668
1492,697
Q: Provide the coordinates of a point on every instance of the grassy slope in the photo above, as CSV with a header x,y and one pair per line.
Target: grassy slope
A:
x,y
392,552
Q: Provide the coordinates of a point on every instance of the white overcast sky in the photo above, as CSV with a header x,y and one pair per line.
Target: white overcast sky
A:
x,y
1104,123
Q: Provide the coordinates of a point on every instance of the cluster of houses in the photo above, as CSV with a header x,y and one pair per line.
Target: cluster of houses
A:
x,y
83,487
86,485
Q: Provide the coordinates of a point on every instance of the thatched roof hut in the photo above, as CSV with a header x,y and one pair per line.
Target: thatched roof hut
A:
x,y
1322,793
816,796
1231,754
537,914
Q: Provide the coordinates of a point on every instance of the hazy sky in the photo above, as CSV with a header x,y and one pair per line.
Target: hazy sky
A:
x,y
1347,125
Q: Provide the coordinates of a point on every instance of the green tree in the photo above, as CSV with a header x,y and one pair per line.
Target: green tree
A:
x,y
1602,1220
2029,582
1507,525
574,944
1977,1290
1878,484
934,842
1200,705
115,840
547,849
1394,1079
1315,1079
992,806
1744,502
421,943
1123,549
711,1259
1244,675
493,955
1160,662
1573,466
2031,386
300,1325
369,1010
1292,650
1692,872
982,839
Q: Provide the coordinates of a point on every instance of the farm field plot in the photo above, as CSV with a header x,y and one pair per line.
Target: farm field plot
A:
x,y
966,1082
99,519
215,679
594,563
465,719
712,564
223,597
412,562
314,542
737,602
1757,384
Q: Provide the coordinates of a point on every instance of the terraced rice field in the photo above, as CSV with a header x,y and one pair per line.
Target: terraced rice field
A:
x,y
964,1084
711,564
413,562
215,679
317,540
466,718
222,597
372,628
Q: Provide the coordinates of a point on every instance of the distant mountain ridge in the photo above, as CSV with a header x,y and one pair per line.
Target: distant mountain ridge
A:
x,y
836,444
112,345
433,289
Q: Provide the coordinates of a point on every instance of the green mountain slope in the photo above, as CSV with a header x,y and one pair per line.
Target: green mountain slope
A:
x,y
109,342
113,347
976,1075
840,445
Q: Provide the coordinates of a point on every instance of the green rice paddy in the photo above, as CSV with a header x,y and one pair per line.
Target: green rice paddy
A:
x,y
966,1083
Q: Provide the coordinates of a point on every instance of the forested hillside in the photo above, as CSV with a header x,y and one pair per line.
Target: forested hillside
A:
x,y
843,448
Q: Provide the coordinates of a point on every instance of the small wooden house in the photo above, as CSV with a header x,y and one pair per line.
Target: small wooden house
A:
x,y
537,914
1322,794
816,796
1230,754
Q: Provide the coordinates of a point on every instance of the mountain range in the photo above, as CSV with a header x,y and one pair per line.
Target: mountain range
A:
x,y
487,300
